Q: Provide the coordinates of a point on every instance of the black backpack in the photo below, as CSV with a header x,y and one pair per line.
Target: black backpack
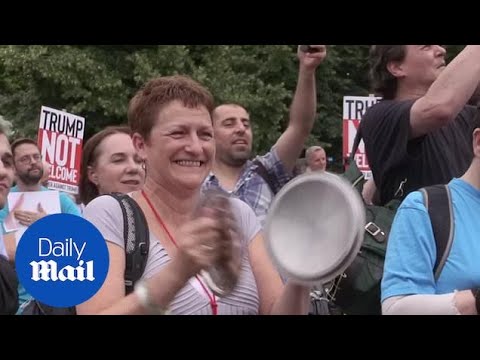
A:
x,y
137,242
357,291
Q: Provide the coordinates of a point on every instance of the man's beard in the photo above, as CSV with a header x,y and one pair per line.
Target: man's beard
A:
x,y
237,159
28,179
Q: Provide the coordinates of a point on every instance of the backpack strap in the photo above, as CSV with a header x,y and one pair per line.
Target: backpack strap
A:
x,y
356,144
438,201
263,172
137,239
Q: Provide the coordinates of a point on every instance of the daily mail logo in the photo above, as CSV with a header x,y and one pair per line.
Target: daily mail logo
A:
x,y
62,260
49,270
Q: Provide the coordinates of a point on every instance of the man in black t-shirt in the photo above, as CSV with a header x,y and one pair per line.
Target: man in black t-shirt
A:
x,y
421,133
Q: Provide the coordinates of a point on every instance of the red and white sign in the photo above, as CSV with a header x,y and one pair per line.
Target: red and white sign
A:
x,y
60,138
354,107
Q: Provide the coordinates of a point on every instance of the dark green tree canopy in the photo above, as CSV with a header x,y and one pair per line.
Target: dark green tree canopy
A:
x,y
97,82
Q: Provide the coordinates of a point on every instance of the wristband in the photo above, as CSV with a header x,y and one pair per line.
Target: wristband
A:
x,y
143,294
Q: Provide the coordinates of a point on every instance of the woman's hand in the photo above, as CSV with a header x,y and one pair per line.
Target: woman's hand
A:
x,y
210,238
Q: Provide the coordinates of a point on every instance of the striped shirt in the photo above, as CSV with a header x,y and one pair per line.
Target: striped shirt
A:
x,y
105,213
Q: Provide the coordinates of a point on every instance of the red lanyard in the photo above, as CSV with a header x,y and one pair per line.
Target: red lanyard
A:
x,y
211,297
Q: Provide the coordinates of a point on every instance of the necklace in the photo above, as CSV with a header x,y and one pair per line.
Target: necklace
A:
x,y
211,296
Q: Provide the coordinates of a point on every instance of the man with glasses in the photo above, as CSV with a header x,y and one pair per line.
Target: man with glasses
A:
x,y
28,166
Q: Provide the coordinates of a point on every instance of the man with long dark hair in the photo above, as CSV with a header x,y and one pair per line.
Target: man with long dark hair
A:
x,y
420,133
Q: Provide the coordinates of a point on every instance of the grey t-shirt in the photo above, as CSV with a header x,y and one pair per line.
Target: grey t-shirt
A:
x,y
105,213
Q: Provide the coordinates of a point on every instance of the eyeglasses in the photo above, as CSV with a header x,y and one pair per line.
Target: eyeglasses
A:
x,y
28,159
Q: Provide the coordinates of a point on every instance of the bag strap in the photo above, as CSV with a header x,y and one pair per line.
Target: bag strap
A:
x,y
137,239
263,172
438,201
356,144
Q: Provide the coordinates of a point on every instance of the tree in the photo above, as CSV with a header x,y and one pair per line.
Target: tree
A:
x,y
97,82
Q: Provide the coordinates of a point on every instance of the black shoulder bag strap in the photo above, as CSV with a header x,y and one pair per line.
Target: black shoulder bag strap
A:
x,y
438,201
263,172
137,239
356,144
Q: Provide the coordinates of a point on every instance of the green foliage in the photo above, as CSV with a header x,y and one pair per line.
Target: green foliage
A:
x,y
98,81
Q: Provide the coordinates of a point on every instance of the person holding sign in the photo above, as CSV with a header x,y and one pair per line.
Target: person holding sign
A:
x,y
28,165
29,172
420,134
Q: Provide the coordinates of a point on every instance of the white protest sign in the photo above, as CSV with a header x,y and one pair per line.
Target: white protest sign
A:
x,y
48,201
60,139
354,107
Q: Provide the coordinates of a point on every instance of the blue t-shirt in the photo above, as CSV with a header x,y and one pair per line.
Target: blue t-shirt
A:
x,y
411,250
67,206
